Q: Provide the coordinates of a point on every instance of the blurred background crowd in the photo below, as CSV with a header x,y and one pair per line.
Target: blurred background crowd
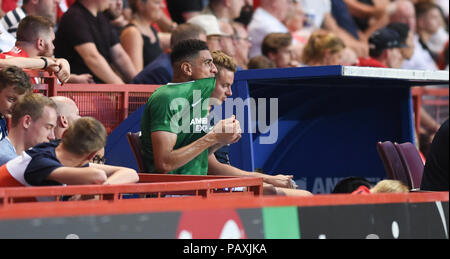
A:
x,y
129,41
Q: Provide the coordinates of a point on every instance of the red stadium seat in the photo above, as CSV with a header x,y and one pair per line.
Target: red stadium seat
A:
x,y
135,144
393,163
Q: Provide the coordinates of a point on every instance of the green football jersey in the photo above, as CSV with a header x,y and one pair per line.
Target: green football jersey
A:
x,y
181,109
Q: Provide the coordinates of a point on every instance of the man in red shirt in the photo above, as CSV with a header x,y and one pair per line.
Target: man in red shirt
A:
x,y
385,45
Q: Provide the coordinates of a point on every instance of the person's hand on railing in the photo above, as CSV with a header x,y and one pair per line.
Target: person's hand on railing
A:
x,y
81,79
61,68
283,181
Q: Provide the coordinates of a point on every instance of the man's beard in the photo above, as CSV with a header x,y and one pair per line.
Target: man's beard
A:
x,y
111,15
46,52
246,15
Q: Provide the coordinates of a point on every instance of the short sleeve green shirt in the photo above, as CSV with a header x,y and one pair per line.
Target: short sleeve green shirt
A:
x,y
181,109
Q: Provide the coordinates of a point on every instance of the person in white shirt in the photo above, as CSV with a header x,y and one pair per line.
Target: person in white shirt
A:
x,y
33,122
315,12
430,27
421,59
7,41
267,19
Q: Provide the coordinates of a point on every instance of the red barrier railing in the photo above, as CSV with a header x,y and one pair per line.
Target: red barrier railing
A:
x,y
434,97
134,206
110,104
149,187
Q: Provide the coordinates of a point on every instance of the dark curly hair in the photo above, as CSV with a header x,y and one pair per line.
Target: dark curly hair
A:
x,y
187,49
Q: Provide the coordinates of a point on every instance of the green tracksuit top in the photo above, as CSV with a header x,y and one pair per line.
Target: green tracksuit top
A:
x,y
181,109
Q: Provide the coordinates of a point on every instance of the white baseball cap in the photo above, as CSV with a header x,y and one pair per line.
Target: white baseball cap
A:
x,y
208,22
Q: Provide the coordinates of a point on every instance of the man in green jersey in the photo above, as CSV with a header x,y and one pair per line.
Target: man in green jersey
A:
x,y
176,137
175,125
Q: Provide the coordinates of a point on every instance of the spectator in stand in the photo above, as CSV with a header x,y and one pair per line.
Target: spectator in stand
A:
x,y
421,59
6,40
246,13
115,15
430,28
182,10
358,185
323,49
226,10
349,57
385,50
60,69
46,8
86,38
6,6
406,37
436,171
242,45
14,84
35,38
191,61
316,13
63,6
295,22
443,59
160,71
139,38
268,18
370,15
261,62
11,20
278,48
67,112
390,186
33,122
319,16
211,25
444,5
29,63
66,161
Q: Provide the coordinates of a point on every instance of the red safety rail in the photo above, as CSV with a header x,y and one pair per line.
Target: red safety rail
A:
x,y
149,187
435,97
110,104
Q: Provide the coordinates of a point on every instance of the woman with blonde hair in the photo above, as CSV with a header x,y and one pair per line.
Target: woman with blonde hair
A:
x,y
139,38
323,49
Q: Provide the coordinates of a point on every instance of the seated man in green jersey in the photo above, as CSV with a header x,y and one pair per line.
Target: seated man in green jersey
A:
x,y
176,136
